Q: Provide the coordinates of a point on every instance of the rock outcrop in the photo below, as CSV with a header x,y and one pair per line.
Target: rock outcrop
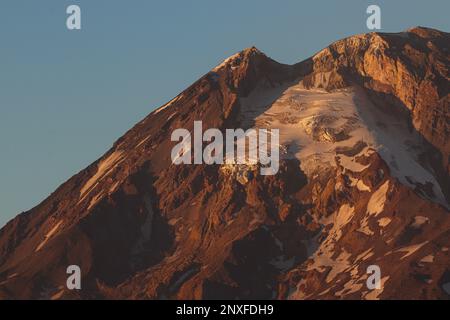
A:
x,y
363,180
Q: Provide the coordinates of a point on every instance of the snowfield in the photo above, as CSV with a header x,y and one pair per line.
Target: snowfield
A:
x,y
324,129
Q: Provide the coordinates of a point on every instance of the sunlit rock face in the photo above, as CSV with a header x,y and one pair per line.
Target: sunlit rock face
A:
x,y
363,180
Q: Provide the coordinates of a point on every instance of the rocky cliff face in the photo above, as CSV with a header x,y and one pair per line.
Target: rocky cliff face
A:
x,y
408,70
363,180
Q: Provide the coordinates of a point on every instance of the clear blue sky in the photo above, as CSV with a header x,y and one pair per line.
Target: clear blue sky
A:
x,y
66,96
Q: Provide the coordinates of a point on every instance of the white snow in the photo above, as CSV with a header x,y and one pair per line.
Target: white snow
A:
x,y
316,125
227,61
310,122
95,200
419,221
365,255
9,278
383,222
374,207
339,221
323,257
174,221
350,163
49,235
143,141
57,295
428,259
375,293
168,104
355,283
377,200
359,184
340,264
410,249
323,260
114,187
104,168
323,129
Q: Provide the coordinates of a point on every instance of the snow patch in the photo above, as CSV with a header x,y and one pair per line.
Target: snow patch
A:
x,y
383,222
377,200
49,235
143,141
355,283
57,295
419,221
365,255
375,293
167,105
339,221
374,207
104,168
322,259
227,61
410,249
312,123
359,184
9,278
428,259
316,126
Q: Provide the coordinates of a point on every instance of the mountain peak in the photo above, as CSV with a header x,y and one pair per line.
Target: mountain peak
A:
x,y
252,51
239,58
362,129
425,32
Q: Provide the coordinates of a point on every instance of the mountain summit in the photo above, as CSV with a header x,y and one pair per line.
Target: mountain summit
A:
x,y
363,180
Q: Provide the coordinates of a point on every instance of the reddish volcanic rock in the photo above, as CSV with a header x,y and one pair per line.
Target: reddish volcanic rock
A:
x,y
363,180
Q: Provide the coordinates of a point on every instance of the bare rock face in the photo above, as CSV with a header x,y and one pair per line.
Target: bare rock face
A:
x,y
363,180
408,70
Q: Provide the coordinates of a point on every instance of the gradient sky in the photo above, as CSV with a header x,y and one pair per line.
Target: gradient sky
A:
x,y
66,96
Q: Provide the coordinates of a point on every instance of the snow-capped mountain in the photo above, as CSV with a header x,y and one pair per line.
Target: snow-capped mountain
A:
x,y
364,128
